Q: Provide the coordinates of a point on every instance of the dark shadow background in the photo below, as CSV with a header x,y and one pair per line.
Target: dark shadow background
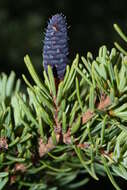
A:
x,y
22,24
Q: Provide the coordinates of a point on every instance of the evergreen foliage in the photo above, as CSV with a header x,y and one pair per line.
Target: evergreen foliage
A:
x,y
58,131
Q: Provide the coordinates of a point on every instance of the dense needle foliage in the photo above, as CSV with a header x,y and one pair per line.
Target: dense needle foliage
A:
x,y
53,134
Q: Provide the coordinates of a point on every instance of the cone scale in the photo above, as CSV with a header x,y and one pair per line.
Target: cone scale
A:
x,y
55,49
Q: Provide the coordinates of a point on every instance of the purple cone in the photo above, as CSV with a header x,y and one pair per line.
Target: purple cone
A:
x,y
55,49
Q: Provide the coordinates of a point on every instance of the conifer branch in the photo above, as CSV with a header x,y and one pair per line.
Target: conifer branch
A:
x,y
63,128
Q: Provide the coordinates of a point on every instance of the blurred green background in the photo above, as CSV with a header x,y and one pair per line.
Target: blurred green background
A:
x,y
23,22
